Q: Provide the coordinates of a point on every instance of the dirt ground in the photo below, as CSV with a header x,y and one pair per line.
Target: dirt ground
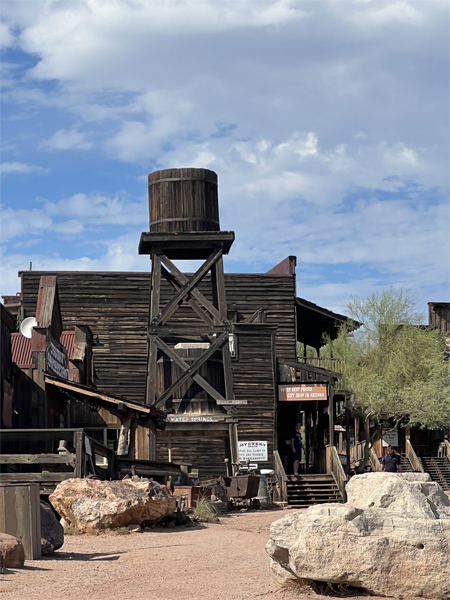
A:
x,y
224,561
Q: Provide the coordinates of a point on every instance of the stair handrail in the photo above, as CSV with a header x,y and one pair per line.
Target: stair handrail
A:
x,y
374,461
447,448
412,457
281,477
337,470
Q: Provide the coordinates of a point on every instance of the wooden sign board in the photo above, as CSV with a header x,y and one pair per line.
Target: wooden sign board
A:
x,y
253,451
56,358
302,391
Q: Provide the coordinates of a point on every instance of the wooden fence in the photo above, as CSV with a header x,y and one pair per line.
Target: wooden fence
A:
x,y
82,456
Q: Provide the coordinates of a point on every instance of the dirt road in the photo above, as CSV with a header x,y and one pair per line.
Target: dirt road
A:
x,y
225,561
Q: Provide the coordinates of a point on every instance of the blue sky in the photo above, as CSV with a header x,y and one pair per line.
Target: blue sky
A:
x,y
327,123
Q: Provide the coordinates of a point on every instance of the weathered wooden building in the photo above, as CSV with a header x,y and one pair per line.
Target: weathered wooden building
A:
x,y
248,325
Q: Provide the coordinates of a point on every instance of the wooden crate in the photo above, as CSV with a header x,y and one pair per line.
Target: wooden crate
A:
x,y
192,494
20,515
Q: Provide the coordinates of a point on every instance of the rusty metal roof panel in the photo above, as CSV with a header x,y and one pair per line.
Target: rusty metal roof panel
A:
x,y
21,348
67,339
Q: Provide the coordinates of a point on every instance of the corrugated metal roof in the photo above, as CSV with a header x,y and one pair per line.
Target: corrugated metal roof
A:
x,y
21,348
67,339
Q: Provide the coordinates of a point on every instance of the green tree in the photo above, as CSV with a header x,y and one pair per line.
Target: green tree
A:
x,y
392,366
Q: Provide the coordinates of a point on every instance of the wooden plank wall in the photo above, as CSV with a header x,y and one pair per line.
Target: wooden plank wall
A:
x,y
207,453
439,316
115,306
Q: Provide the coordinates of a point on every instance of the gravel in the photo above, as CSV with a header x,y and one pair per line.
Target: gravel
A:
x,y
224,561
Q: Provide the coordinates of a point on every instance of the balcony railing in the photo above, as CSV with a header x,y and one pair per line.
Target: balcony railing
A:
x,y
332,364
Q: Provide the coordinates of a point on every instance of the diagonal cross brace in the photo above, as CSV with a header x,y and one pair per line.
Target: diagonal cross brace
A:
x,y
184,291
195,293
190,371
184,365
195,307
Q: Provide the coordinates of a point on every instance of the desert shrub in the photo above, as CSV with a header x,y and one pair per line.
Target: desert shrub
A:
x,y
205,512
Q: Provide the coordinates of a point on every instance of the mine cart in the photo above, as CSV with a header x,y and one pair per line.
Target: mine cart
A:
x,y
241,490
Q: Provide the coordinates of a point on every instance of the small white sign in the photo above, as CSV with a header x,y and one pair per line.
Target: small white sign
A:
x,y
87,446
253,451
389,437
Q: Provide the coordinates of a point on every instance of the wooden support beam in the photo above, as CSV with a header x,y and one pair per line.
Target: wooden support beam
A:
x,y
218,283
234,445
151,370
155,287
37,459
184,291
252,318
184,365
194,305
195,292
190,330
216,345
78,442
123,436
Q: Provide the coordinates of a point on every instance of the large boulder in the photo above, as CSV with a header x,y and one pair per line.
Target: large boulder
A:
x,y
392,538
52,532
91,506
12,553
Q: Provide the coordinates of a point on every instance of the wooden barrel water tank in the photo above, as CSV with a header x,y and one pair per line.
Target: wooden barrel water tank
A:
x,y
190,397
183,200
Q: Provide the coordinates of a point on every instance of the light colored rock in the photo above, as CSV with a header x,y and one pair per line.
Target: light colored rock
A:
x,y
389,539
92,505
134,528
52,532
12,553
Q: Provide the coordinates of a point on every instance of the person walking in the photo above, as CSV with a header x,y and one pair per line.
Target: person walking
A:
x,y
297,444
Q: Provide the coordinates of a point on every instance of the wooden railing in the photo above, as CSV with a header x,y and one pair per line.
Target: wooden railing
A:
x,y
447,448
357,453
334,466
280,478
332,364
412,456
374,461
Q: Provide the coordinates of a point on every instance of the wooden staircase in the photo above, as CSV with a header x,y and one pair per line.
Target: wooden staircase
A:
x,y
306,490
438,469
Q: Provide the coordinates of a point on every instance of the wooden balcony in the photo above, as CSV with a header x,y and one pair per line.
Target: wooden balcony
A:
x,y
332,364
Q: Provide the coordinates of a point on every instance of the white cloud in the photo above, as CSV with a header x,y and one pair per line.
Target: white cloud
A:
x,y
71,216
66,140
8,168
6,37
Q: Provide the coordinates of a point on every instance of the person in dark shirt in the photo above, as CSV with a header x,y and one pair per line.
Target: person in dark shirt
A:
x,y
392,461
296,442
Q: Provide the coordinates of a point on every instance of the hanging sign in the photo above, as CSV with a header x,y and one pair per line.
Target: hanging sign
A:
x,y
302,391
389,437
253,451
56,360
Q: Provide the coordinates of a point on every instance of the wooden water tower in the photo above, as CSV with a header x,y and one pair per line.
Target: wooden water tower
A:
x,y
184,225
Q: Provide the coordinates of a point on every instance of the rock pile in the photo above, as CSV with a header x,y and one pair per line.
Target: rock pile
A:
x,y
91,506
52,532
391,538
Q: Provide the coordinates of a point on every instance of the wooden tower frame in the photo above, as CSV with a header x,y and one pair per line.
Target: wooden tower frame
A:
x,y
215,328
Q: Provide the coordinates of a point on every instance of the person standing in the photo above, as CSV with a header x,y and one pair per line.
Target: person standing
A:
x,y
392,462
297,443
